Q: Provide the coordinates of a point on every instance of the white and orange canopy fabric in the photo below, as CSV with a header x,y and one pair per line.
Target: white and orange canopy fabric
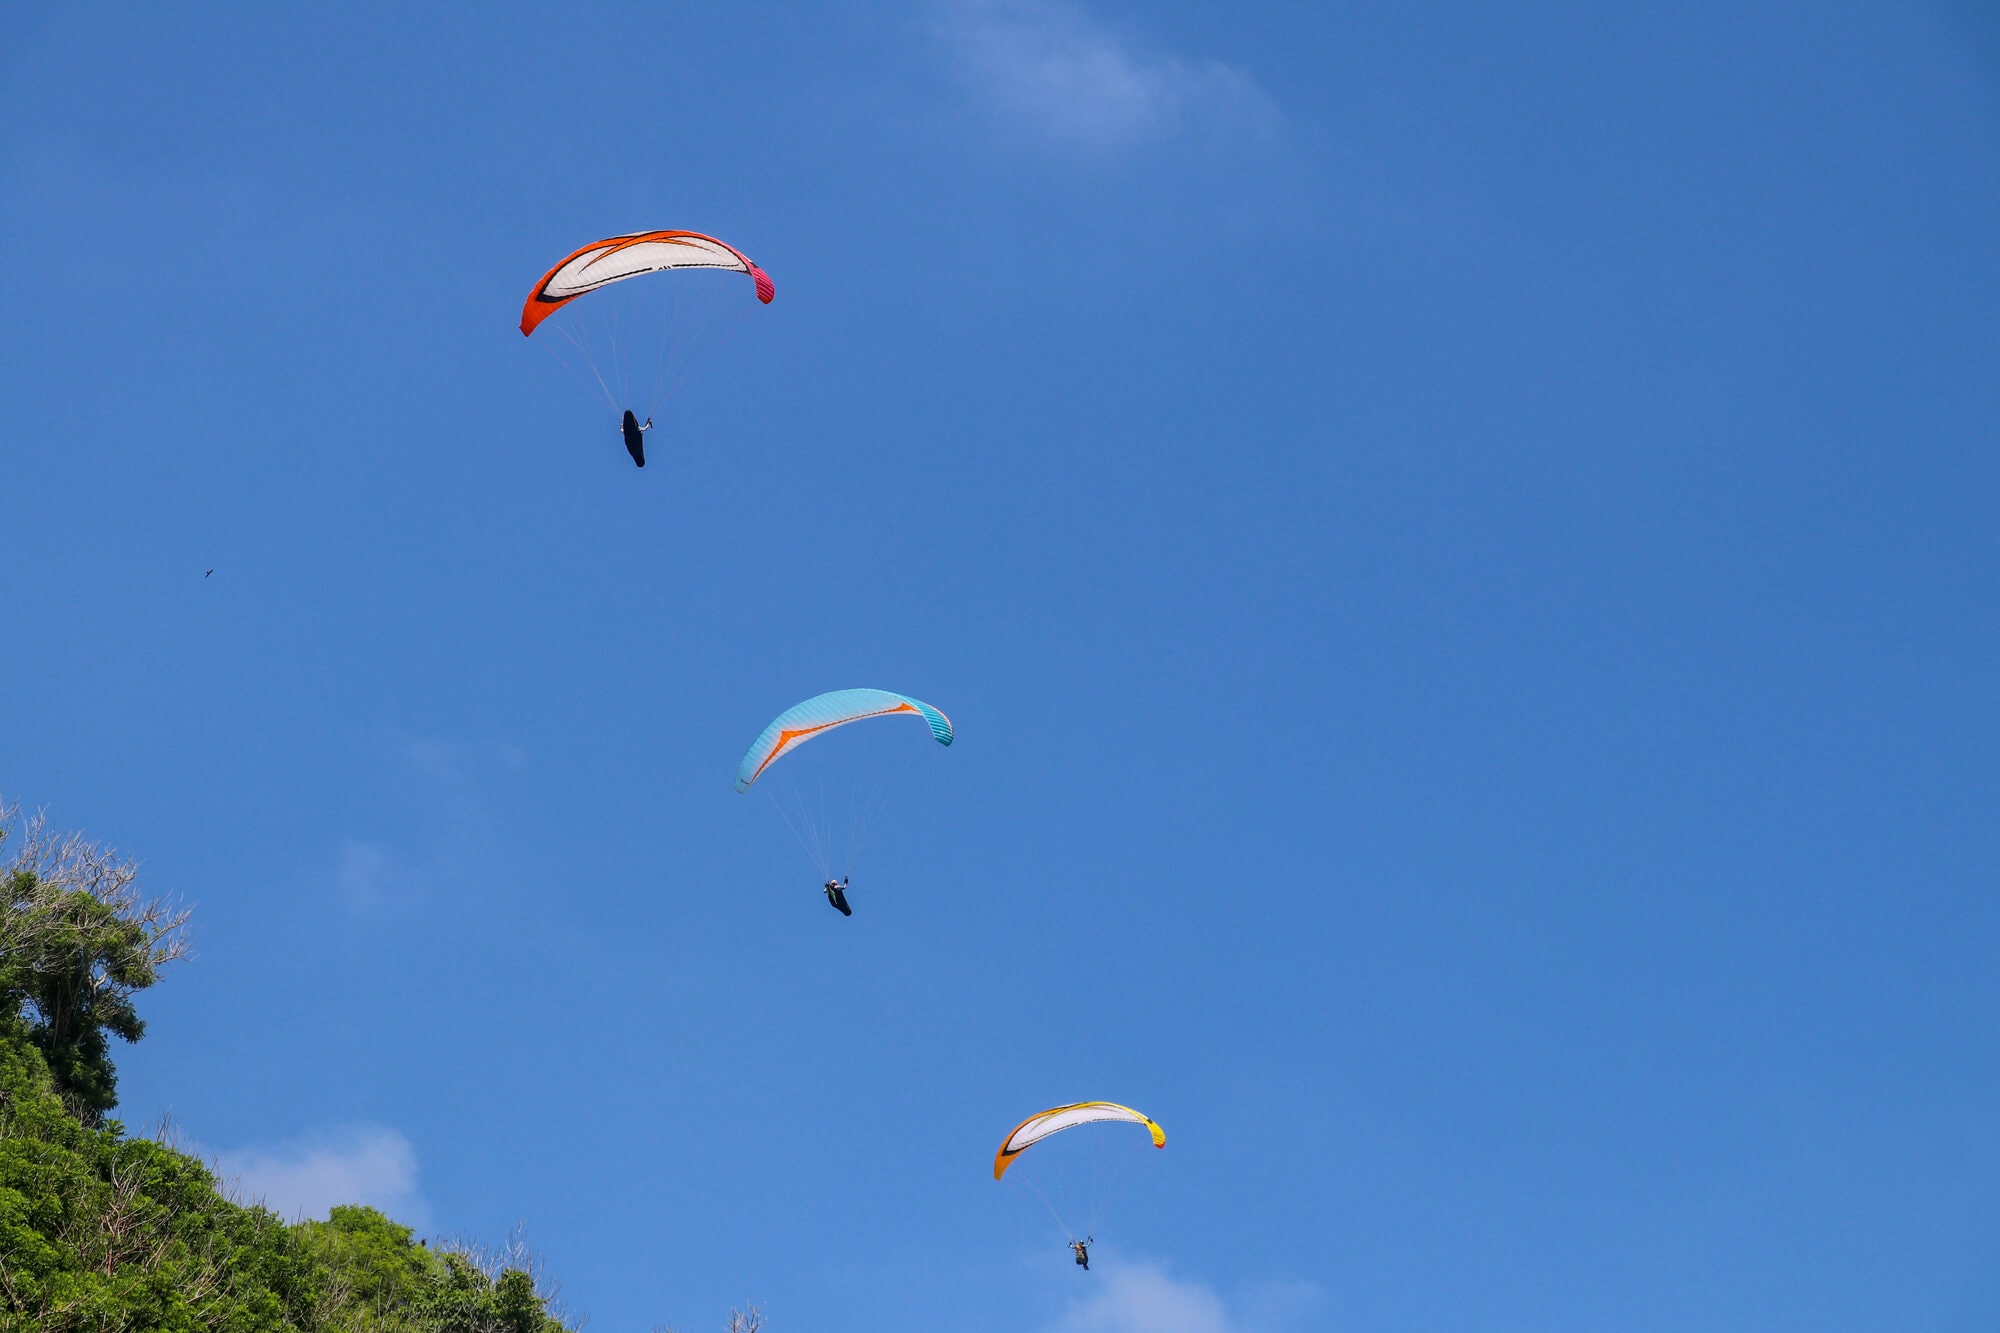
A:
x,y
821,714
1059,1118
602,263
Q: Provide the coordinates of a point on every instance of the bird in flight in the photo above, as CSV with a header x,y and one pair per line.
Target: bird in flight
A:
x,y
209,572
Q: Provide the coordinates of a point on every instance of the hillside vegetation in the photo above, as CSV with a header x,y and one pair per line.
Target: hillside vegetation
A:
x,y
103,1232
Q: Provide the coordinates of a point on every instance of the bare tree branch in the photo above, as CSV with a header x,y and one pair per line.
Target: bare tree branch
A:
x,y
44,868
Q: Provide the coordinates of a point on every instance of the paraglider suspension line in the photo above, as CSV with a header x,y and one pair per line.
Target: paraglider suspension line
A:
x,y
590,363
810,832
871,810
1036,1187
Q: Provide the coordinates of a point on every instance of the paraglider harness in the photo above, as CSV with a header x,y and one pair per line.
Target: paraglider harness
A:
x,y
836,893
1082,1248
635,437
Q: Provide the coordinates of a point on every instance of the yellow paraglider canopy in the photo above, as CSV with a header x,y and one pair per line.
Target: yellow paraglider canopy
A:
x,y
1058,1118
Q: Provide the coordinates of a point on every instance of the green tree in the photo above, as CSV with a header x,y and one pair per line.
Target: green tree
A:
x,y
103,1233
77,942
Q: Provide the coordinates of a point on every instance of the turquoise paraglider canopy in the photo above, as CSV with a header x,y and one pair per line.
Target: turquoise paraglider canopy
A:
x,y
822,713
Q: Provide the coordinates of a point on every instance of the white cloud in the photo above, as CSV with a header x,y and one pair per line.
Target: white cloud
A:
x,y
366,1164
1276,1305
441,796
1049,68
1145,1298
368,874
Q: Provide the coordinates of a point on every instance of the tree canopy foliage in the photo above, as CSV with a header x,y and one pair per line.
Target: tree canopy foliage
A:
x,y
77,942
101,1232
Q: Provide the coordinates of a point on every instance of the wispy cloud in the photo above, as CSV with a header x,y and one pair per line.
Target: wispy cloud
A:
x,y
369,874
440,822
1145,1298
1051,69
366,1164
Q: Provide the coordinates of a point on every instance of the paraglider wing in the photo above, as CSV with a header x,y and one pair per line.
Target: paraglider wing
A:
x,y
823,712
604,262
1053,1121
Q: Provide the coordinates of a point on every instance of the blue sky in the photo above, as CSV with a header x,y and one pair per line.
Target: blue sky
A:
x,y
1461,549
